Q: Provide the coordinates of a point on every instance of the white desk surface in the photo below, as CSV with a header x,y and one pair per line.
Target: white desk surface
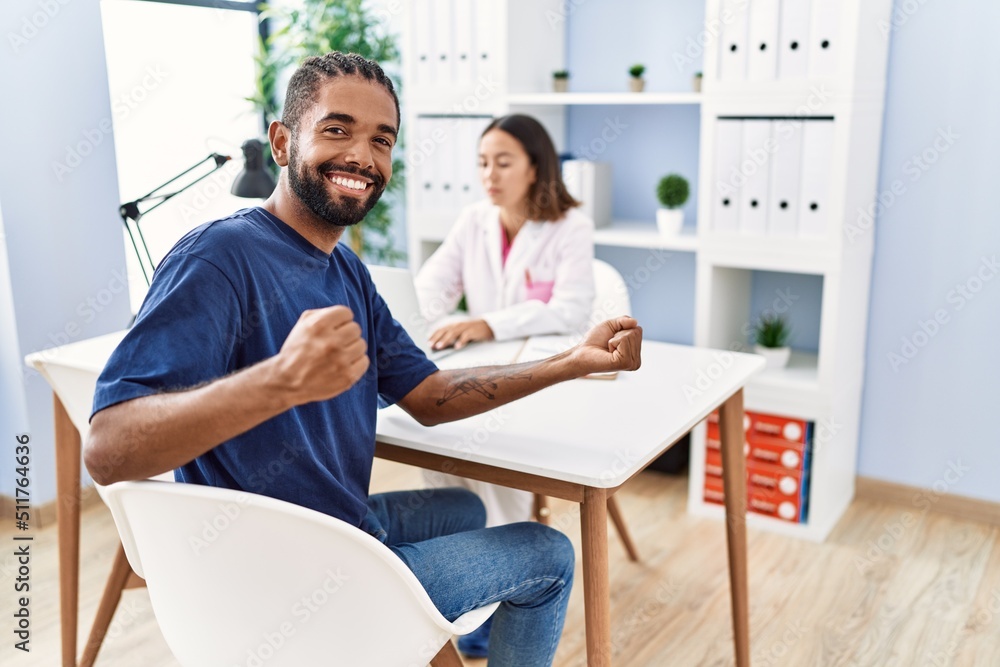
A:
x,y
589,431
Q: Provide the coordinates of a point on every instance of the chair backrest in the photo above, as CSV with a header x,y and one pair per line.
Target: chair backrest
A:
x,y
241,579
611,298
72,371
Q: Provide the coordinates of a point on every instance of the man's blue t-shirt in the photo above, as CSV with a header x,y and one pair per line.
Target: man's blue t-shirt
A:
x,y
226,297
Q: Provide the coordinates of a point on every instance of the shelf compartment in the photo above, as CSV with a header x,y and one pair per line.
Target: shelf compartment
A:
x,y
639,234
611,99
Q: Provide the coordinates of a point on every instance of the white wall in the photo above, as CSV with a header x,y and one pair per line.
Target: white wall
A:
x,y
59,193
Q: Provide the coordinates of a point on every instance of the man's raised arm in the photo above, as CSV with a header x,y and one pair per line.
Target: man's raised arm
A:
x,y
147,436
446,396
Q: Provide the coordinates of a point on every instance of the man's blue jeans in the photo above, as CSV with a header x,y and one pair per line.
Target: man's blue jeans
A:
x,y
440,535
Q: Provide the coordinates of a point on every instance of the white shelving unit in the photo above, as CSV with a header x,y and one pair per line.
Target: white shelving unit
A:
x,y
836,73
573,99
842,77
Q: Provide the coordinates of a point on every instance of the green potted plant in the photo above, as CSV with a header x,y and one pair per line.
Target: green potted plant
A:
x,y
672,191
560,81
636,82
771,334
696,82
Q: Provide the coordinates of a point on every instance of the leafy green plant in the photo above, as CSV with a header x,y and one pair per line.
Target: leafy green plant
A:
x,y
313,28
697,74
772,331
560,74
637,70
673,191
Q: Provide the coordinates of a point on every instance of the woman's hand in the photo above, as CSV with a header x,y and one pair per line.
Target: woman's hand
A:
x,y
460,334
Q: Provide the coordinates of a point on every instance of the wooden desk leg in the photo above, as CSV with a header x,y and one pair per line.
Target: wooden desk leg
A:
x,y
68,517
118,580
596,590
735,491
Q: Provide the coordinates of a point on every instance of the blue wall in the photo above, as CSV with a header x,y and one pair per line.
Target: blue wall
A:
x,y
929,415
936,410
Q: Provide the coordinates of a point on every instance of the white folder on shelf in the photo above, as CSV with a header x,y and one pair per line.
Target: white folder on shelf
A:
x,y
756,166
464,27
590,183
445,167
487,33
762,40
824,38
725,183
423,41
814,199
786,166
422,159
466,145
733,44
444,39
793,39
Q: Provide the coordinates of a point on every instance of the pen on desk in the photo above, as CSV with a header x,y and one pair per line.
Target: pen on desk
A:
x,y
527,278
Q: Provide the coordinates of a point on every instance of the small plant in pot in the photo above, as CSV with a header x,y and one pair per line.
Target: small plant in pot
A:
x,y
672,191
560,81
636,83
771,334
696,82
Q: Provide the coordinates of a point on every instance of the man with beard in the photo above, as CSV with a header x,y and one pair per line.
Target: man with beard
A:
x,y
262,352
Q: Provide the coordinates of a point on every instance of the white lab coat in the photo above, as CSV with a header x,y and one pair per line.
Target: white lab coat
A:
x,y
470,262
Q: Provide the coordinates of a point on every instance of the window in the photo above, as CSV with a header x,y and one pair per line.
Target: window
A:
x,y
178,75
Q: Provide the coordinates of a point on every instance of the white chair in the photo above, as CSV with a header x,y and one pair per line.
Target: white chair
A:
x,y
611,294
610,300
238,578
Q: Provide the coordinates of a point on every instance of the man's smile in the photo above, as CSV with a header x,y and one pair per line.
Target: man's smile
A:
x,y
349,183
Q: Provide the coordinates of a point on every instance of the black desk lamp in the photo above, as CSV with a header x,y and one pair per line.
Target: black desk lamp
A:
x,y
253,181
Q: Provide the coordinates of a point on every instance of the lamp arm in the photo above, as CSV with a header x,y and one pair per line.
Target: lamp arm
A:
x,y
130,210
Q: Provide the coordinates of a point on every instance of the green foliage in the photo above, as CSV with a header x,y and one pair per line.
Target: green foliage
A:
x,y
560,74
637,70
313,28
673,190
772,331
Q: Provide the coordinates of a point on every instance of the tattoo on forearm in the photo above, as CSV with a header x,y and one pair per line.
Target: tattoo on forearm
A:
x,y
483,383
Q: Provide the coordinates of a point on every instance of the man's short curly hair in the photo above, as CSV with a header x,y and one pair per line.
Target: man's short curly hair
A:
x,y
314,71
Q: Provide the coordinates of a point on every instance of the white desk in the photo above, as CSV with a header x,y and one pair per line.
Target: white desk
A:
x,y
580,440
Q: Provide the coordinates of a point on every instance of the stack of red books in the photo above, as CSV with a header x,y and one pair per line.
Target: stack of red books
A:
x,y
777,451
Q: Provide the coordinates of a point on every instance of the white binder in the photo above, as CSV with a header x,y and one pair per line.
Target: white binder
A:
x,y
443,45
445,156
756,166
465,50
824,38
793,39
725,190
590,183
487,30
786,169
466,160
733,45
762,42
422,159
422,42
814,201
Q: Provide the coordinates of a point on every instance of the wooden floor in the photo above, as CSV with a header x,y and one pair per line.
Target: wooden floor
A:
x,y
893,586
